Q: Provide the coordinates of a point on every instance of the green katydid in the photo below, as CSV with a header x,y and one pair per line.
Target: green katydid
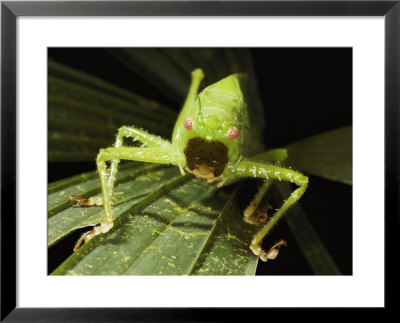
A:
x,y
211,139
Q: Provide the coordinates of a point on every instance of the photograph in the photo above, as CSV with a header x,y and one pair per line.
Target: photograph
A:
x,y
195,160
181,160
199,161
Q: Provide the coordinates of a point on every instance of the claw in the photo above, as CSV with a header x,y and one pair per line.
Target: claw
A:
x,y
84,202
102,228
253,215
84,238
211,180
271,254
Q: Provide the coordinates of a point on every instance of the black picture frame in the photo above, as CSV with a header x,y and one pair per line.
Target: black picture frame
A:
x,y
11,10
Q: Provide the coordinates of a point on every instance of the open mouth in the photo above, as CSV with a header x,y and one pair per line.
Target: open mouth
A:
x,y
206,159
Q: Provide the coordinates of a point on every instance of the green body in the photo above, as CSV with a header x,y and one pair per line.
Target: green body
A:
x,y
211,139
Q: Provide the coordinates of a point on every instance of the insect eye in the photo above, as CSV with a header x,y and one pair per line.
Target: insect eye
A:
x,y
188,123
233,132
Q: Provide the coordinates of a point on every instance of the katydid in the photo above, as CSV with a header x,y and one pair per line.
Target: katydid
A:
x,y
211,139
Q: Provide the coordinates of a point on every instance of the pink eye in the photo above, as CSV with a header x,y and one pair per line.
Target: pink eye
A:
x,y
188,123
233,132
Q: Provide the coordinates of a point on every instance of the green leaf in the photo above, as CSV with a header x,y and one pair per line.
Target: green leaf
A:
x,y
328,155
165,224
85,113
87,81
151,64
87,185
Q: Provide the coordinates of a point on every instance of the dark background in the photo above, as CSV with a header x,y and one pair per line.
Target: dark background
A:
x,y
305,91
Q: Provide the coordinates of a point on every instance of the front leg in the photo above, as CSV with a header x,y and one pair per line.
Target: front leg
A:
x,y
145,138
151,155
269,172
252,213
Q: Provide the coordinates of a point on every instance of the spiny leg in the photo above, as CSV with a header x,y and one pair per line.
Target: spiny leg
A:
x,y
252,214
150,155
145,138
84,202
144,154
255,169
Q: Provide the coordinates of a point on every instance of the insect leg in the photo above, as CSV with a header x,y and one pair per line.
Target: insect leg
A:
x,y
151,155
136,134
144,154
145,138
251,213
250,168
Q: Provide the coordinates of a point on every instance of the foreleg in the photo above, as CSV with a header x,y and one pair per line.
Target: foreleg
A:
x,y
151,155
256,169
147,140
252,214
